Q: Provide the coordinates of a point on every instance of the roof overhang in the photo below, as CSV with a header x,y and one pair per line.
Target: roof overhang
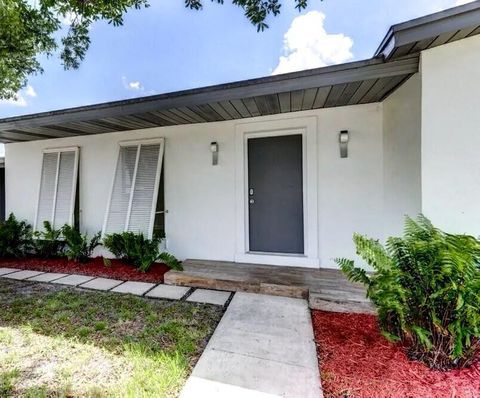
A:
x,y
347,84
431,31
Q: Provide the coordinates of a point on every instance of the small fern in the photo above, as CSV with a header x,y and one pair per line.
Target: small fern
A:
x,y
138,250
15,238
48,243
79,247
170,261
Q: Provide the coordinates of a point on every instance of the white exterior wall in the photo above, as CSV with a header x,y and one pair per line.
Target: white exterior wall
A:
x,y
200,198
416,152
451,135
402,155
350,190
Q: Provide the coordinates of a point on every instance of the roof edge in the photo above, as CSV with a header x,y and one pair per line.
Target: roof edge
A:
x,y
274,79
397,34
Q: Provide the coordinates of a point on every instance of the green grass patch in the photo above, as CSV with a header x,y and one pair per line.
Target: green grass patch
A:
x,y
65,342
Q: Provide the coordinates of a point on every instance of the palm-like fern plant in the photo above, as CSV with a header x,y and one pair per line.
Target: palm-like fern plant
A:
x,y
15,238
48,243
426,286
141,252
79,247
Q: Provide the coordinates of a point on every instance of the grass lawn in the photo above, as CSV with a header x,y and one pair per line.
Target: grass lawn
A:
x,y
64,342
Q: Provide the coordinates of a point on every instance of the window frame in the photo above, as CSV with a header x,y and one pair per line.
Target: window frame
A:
x,y
59,151
137,143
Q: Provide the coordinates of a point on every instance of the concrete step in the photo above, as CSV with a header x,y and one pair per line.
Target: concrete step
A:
x,y
325,289
184,278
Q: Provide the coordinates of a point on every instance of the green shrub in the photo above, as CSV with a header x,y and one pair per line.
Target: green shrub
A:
x,y
79,247
48,243
15,238
139,251
426,286
170,260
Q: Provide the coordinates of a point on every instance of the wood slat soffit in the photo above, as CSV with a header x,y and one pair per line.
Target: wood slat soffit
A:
x,y
312,89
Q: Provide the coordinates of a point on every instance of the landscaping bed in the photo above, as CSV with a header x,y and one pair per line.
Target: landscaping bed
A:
x,y
58,341
116,269
357,361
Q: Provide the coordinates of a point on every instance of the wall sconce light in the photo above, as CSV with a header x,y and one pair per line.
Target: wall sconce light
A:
x,y
214,150
343,141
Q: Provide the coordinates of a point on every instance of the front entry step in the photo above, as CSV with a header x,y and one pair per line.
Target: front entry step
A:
x,y
182,278
325,289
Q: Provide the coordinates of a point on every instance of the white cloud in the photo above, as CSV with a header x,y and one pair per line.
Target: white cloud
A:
x,y
20,98
307,45
461,2
132,85
30,92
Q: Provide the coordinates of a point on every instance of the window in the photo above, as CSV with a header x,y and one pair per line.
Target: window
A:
x,y
58,187
133,199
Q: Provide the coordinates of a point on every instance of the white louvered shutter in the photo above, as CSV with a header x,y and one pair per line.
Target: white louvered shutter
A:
x,y
122,189
143,193
135,189
47,189
64,203
58,183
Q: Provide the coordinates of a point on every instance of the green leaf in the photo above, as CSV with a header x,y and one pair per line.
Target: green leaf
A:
x,y
460,302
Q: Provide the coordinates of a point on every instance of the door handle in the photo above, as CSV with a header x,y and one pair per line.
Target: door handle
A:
x,y
251,201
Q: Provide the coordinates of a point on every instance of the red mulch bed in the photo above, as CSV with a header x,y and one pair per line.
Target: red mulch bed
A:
x,y
95,267
357,361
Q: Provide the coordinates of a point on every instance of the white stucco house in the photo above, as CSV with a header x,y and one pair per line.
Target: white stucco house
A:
x,y
280,170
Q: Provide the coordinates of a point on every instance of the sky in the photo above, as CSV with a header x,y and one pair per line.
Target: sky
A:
x,y
167,48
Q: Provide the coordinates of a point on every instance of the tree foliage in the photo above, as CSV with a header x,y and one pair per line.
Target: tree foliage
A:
x,y
426,286
28,29
25,32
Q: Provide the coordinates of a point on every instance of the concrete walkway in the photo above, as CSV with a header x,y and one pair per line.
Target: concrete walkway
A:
x,y
263,347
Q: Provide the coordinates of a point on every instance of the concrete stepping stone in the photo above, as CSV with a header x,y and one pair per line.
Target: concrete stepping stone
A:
x,y
73,280
136,288
101,284
47,277
207,296
20,275
168,292
5,271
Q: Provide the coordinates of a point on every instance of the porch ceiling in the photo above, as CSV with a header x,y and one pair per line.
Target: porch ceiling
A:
x,y
348,84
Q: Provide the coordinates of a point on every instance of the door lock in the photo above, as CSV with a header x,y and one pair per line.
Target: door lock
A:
x,y
252,201
250,191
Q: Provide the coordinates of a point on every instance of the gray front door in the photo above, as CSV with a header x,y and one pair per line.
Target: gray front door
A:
x,y
275,194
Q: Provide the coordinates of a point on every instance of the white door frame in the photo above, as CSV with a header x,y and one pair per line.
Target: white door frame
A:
x,y
306,126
